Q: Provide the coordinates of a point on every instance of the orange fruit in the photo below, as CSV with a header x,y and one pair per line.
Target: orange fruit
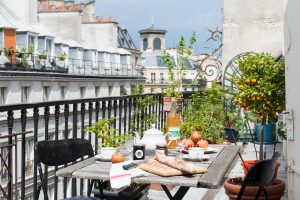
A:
x,y
253,80
247,80
259,98
268,102
253,98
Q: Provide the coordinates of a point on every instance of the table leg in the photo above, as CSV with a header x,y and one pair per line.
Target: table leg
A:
x,y
178,195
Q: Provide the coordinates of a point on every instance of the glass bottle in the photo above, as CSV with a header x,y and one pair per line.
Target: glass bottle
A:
x,y
173,126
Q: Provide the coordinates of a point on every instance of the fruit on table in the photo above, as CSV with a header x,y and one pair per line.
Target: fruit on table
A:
x,y
188,143
196,136
202,144
117,158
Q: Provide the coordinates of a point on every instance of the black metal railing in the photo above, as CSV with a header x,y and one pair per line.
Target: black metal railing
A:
x,y
20,61
66,119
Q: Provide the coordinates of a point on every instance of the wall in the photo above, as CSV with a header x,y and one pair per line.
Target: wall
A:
x,y
66,25
251,25
93,33
27,10
292,41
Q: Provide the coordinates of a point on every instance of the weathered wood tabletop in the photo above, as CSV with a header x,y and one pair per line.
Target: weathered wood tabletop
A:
x,y
217,164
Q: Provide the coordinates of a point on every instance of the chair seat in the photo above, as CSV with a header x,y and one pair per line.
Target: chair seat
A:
x,y
81,198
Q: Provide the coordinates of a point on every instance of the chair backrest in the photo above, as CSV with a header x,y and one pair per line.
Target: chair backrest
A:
x,y
262,173
59,152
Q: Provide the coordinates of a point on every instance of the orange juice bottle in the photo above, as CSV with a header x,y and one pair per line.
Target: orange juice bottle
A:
x,y
173,126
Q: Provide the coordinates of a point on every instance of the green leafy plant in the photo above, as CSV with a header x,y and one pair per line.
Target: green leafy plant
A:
x,y
8,52
43,56
140,113
206,114
62,57
110,138
261,87
176,70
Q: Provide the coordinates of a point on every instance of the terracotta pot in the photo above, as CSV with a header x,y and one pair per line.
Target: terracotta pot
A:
x,y
249,163
167,104
232,188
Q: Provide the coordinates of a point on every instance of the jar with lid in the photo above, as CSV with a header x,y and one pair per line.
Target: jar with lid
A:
x,y
162,148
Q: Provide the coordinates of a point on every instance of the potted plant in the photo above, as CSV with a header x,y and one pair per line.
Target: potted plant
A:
x,y
261,91
176,71
110,139
42,57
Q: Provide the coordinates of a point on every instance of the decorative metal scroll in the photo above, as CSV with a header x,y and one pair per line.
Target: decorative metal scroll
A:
x,y
231,70
209,65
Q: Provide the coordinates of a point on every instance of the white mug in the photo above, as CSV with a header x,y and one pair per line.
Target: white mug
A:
x,y
195,152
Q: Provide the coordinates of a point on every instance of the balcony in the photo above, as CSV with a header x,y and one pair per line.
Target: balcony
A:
x,y
25,62
64,119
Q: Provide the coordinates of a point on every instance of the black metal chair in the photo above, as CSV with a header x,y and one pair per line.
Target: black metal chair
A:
x,y
60,152
260,174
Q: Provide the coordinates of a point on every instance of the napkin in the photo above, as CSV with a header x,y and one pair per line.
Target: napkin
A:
x,y
120,178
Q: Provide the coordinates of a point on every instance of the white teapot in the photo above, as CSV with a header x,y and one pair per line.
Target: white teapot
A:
x,y
152,137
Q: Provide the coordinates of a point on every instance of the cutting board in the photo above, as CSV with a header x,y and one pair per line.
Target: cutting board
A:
x,y
155,167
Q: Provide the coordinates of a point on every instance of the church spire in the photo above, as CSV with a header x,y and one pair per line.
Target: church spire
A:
x,y
152,21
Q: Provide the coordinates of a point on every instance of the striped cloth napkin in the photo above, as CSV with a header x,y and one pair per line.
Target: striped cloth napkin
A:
x,y
120,178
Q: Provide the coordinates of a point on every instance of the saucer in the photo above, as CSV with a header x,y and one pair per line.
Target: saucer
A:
x,y
102,158
199,158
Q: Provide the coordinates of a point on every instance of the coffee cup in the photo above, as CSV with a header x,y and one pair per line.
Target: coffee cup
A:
x,y
195,152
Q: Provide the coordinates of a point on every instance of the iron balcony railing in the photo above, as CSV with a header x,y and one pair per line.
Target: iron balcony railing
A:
x,y
19,61
58,120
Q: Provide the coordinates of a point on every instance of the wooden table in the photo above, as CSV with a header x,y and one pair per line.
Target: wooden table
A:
x,y
217,164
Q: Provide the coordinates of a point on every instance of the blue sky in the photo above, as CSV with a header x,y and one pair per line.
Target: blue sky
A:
x,y
178,17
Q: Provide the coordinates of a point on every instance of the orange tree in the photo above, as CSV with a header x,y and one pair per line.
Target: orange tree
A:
x,y
261,87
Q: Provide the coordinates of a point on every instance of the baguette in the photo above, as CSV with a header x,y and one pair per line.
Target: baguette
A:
x,y
186,167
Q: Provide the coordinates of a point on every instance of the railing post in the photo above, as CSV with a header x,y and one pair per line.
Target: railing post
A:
x,y
74,129
90,118
46,118
97,110
82,112
66,135
129,113
125,116
120,116
115,106
56,116
10,123
23,124
35,135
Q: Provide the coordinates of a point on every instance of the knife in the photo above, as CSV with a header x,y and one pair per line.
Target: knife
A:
x,y
133,164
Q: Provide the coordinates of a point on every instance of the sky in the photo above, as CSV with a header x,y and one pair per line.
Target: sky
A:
x,y
178,17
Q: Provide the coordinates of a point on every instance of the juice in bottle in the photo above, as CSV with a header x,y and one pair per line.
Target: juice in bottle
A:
x,y
173,126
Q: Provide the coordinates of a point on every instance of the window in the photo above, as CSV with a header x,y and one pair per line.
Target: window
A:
x,y
63,91
161,78
49,47
97,91
46,93
145,44
156,44
152,77
31,40
82,92
3,95
25,92
110,89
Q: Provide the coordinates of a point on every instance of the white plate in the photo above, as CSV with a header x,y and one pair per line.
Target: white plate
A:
x,y
200,158
101,158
